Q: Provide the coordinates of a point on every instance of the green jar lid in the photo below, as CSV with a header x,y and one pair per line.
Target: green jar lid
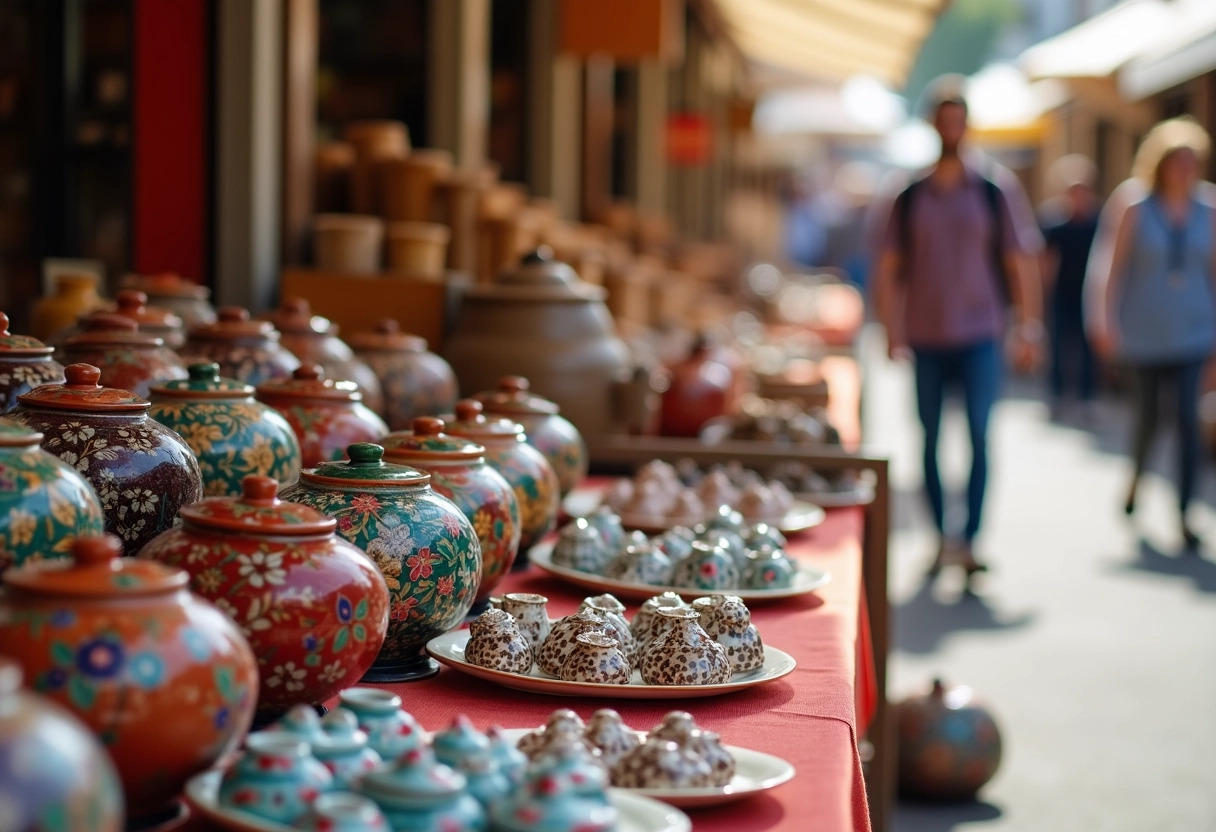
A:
x,y
365,468
204,382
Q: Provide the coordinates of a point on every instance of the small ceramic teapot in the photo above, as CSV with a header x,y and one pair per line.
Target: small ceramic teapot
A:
x,y
459,742
276,778
25,363
701,387
127,358
246,350
414,382
531,614
184,298
423,795
390,731
684,654
510,760
646,564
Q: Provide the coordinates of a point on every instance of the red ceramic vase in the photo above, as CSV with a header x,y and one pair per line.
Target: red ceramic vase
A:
x,y
128,359
699,388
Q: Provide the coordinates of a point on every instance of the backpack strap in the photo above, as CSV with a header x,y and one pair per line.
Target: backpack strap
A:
x,y
992,196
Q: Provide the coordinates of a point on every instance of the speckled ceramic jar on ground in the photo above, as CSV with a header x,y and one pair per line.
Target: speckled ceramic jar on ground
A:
x,y
44,503
124,646
313,607
421,541
232,435
414,382
246,350
127,358
459,472
184,298
25,363
142,471
326,415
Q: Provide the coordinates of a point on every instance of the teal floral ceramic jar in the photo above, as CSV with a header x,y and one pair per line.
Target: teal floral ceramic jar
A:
x,y
232,435
390,731
276,778
423,544
44,503
25,363
421,794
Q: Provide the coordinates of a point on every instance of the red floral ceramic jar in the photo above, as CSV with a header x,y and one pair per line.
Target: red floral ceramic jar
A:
x,y
127,358
161,677
424,546
415,382
142,471
231,434
459,472
326,415
152,320
313,607
246,350
184,298
25,363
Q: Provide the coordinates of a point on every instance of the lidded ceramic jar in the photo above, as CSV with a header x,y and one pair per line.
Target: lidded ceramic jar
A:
x,y
314,340
184,298
683,653
25,363
152,320
313,607
74,295
326,415
277,778
390,731
424,546
414,382
142,471
421,794
557,797
56,775
546,430
123,645
459,472
246,350
127,358
232,435
529,474
44,503
497,642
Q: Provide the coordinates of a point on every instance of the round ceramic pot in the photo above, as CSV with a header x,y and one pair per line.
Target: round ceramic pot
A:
x,y
459,472
124,646
184,298
246,350
142,471
312,606
701,387
152,320
128,359
326,415
546,430
949,744
44,503
74,295
56,775
423,544
415,382
25,363
524,468
232,435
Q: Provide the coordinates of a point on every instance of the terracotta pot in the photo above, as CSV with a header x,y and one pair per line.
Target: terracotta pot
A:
x,y
409,184
326,415
423,544
949,744
127,358
313,607
458,197
152,320
417,249
333,168
459,472
502,241
699,388
25,363
373,141
232,435
314,340
67,781
246,350
350,243
184,298
414,382
123,645
75,295
142,471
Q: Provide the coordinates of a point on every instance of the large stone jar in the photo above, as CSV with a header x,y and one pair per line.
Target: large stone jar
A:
x,y
44,503
127,358
312,606
25,363
246,350
232,435
415,382
326,415
421,541
539,320
184,298
459,472
142,471
162,677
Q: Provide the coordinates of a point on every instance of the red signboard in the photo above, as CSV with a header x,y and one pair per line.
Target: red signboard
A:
x,y
690,139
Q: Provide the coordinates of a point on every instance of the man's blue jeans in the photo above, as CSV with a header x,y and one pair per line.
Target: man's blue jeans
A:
x,y
976,370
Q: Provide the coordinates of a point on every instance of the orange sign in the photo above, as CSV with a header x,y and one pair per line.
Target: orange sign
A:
x,y
690,139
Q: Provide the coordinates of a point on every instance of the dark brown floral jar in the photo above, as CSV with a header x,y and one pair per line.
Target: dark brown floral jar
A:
x,y
128,359
415,382
184,298
25,363
246,350
142,471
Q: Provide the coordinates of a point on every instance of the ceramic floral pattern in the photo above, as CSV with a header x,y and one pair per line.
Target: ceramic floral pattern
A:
x,y
493,513
44,507
19,377
535,487
325,431
252,365
411,388
564,450
129,369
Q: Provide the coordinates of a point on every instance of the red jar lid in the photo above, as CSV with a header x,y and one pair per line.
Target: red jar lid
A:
x,y
82,392
96,569
387,337
203,381
472,423
308,382
19,344
133,304
232,323
167,284
427,442
258,511
513,396
14,434
109,329
294,316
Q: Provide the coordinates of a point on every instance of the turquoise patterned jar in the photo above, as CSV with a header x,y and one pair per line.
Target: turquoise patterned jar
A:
x,y
421,794
390,731
276,779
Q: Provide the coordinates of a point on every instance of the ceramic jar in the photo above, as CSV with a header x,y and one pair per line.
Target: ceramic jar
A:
x,y
561,641
424,546
709,567
151,320
529,474
615,624
531,615
556,800
232,435
420,794
277,778
580,546
314,340
769,569
184,298
949,744
414,382
344,749
390,731
596,659
644,624
459,472
496,641
142,471
312,606
609,733
662,764
127,358
555,437
123,645
343,812
57,778
699,388
25,363
684,654
246,350
738,635
680,728
44,503
326,415
75,295
642,563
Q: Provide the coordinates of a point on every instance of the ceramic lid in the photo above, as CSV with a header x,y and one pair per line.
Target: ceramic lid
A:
x,y
387,336
366,467
167,284
258,511
133,304
19,344
81,391
459,738
109,329
204,382
14,434
416,774
471,422
427,442
308,382
538,277
294,316
96,569
233,323
512,396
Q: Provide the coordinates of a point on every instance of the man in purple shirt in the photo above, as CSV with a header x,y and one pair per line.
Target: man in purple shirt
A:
x,y
958,254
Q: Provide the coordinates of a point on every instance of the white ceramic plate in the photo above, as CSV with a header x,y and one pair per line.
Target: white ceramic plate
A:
x,y
448,649
755,772
803,514
806,580
861,494
638,812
